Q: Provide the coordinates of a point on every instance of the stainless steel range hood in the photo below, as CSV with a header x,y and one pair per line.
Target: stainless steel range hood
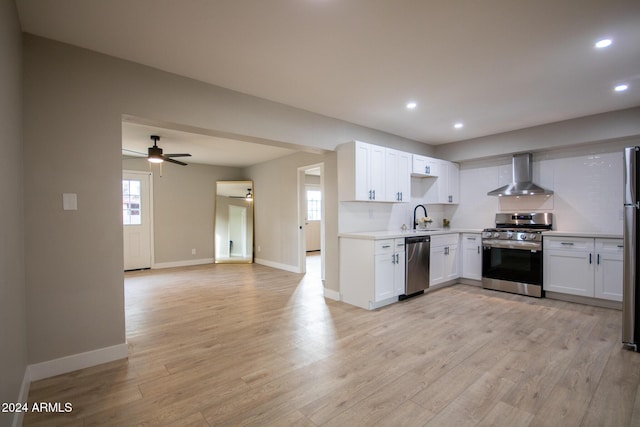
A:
x,y
522,184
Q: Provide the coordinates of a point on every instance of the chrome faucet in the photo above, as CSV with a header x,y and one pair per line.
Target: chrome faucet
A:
x,y
415,223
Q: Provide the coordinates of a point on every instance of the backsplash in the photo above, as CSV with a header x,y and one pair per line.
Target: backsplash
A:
x,y
587,187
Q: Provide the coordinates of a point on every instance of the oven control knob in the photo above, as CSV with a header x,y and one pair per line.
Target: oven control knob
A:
x,y
496,234
523,236
509,234
532,236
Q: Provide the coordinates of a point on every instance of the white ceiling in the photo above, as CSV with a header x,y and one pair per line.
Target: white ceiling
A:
x,y
204,149
496,65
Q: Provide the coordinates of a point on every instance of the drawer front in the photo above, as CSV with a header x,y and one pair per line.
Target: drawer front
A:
x,y
471,238
384,246
444,240
612,246
568,243
398,245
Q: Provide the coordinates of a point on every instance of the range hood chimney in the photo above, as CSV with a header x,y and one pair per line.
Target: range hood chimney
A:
x,y
522,185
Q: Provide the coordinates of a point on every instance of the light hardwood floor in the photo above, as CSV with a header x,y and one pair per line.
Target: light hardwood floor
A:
x,y
234,345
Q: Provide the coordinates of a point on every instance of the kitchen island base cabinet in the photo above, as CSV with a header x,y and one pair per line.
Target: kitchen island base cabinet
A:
x,y
371,271
587,267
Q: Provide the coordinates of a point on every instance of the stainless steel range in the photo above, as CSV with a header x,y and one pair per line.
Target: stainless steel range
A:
x,y
512,253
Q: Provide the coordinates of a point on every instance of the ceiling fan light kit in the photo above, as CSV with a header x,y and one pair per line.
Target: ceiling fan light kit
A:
x,y
154,154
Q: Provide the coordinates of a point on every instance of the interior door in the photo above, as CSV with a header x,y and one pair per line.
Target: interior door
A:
x,y
136,219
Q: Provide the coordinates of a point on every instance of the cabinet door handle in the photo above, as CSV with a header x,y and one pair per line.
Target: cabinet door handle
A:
x,y
478,249
471,238
598,261
401,196
374,194
589,258
393,258
397,259
386,246
621,246
450,199
446,250
566,243
369,194
427,169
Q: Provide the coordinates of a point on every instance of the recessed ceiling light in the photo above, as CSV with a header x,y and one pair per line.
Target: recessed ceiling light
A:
x,y
621,87
411,105
458,125
603,43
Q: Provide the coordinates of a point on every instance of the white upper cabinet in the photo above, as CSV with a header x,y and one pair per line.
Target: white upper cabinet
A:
x,y
372,173
446,188
424,166
361,172
398,169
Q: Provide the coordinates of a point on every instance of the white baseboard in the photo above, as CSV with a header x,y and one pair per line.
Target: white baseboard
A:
x,y
74,362
286,267
331,294
185,263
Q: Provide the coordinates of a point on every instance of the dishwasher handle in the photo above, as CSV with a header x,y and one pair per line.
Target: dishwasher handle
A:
x,y
417,239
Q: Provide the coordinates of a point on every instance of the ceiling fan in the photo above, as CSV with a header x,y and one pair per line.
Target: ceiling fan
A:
x,y
247,197
155,154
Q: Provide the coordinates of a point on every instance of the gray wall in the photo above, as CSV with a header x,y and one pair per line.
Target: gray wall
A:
x,y
13,331
183,208
276,207
74,102
276,211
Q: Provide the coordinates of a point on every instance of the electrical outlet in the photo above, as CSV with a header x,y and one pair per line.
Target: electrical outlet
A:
x,y
193,251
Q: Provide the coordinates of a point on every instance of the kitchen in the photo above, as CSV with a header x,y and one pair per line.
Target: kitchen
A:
x,y
585,200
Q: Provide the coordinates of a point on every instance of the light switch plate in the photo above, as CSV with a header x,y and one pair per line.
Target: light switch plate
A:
x,y
70,201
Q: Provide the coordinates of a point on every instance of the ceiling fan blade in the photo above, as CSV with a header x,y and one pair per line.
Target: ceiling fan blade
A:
x,y
178,155
177,162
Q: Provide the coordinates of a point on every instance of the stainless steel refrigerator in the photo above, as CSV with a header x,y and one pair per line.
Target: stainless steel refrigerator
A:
x,y
631,290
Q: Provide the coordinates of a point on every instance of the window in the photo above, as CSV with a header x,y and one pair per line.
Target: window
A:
x,y
314,205
131,202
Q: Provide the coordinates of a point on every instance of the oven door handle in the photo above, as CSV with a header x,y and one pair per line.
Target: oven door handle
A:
x,y
511,245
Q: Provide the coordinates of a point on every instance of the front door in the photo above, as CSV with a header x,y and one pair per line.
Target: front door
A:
x,y
136,219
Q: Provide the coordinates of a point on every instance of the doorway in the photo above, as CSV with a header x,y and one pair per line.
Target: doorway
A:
x,y
137,220
311,219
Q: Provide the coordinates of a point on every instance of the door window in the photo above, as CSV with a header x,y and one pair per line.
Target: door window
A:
x,y
314,204
131,207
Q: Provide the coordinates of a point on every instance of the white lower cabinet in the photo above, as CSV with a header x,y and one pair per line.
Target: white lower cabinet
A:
x,y
589,267
609,269
371,271
472,256
444,263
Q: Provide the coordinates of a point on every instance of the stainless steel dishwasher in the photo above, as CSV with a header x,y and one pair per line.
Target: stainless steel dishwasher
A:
x,y
417,265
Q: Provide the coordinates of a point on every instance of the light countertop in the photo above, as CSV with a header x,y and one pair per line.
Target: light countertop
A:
x,y
396,234
582,234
